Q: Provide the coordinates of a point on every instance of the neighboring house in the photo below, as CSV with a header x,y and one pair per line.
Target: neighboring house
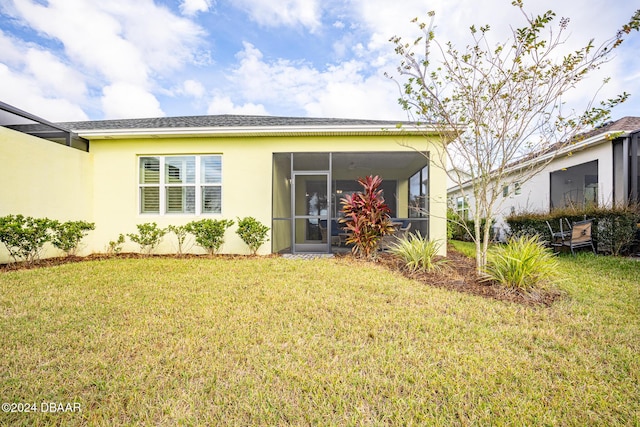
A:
x,y
601,168
289,173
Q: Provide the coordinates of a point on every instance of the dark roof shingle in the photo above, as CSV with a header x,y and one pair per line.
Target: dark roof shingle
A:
x,y
219,121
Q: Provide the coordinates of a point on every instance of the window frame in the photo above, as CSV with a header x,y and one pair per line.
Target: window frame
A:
x,y
198,183
424,189
462,207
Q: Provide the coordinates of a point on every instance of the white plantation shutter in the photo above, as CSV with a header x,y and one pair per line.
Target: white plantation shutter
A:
x,y
211,200
181,199
180,184
149,185
211,178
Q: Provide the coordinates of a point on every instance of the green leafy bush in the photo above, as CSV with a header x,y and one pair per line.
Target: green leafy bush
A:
x,y
148,237
67,235
463,231
252,232
24,237
366,217
209,233
181,232
523,264
417,252
617,232
115,246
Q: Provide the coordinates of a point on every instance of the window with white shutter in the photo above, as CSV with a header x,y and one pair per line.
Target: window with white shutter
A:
x,y
180,184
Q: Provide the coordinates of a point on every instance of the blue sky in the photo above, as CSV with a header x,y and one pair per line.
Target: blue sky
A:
x,y
103,59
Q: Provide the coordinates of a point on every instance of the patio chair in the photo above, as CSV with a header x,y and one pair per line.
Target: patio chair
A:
x,y
403,230
581,236
399,232
558,237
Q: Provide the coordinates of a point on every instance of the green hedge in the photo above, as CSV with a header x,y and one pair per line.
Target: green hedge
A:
x,y
456,231
615,229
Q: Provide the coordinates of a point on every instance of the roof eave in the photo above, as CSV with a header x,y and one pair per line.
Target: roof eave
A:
x,y
253,131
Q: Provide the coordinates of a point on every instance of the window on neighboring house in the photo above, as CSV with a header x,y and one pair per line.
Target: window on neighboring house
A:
x,y
187,184
517,188
462,207
505,191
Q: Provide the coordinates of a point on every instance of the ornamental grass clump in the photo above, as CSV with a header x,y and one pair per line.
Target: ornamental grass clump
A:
x,y
418,253
523,264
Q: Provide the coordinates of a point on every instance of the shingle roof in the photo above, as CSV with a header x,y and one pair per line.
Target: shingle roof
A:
x,y
626,124
220,121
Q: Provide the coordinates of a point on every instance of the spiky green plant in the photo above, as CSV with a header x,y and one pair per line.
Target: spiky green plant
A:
x,y
523,264
418,252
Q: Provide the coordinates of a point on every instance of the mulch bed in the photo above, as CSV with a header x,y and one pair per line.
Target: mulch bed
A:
x,y
51,262
458,274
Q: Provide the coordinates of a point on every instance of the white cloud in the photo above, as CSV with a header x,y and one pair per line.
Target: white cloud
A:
x,y
224,105
340,90
37,81
125,100
595,20
117,42
269,13
193,88
192,7
25,93
54,77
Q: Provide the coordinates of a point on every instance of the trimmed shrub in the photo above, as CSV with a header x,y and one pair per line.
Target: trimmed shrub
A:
x,y
252,232
115,246
209,233
181,232
524,264
457,231
417,252
67,235
366,217
617,232
148,237
25,236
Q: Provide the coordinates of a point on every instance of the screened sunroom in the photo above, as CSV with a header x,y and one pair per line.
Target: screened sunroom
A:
x,y
308,188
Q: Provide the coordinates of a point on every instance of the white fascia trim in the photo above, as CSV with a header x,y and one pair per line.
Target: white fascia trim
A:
x,y
251,131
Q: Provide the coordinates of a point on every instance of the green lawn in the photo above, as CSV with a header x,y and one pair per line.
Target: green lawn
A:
x,y
270,341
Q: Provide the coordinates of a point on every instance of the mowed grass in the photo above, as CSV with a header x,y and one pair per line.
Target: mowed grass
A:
x,y
270,341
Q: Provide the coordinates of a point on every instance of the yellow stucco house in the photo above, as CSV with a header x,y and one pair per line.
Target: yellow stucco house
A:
x,y
289,173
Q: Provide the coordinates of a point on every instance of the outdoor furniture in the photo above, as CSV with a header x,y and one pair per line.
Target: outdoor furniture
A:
x,y
558,238
400,231
581,236
403,229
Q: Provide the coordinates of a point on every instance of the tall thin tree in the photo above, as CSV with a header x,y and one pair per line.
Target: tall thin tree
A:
x,y
500,104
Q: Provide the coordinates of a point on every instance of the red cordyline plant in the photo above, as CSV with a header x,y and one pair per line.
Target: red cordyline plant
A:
x,y
366,217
